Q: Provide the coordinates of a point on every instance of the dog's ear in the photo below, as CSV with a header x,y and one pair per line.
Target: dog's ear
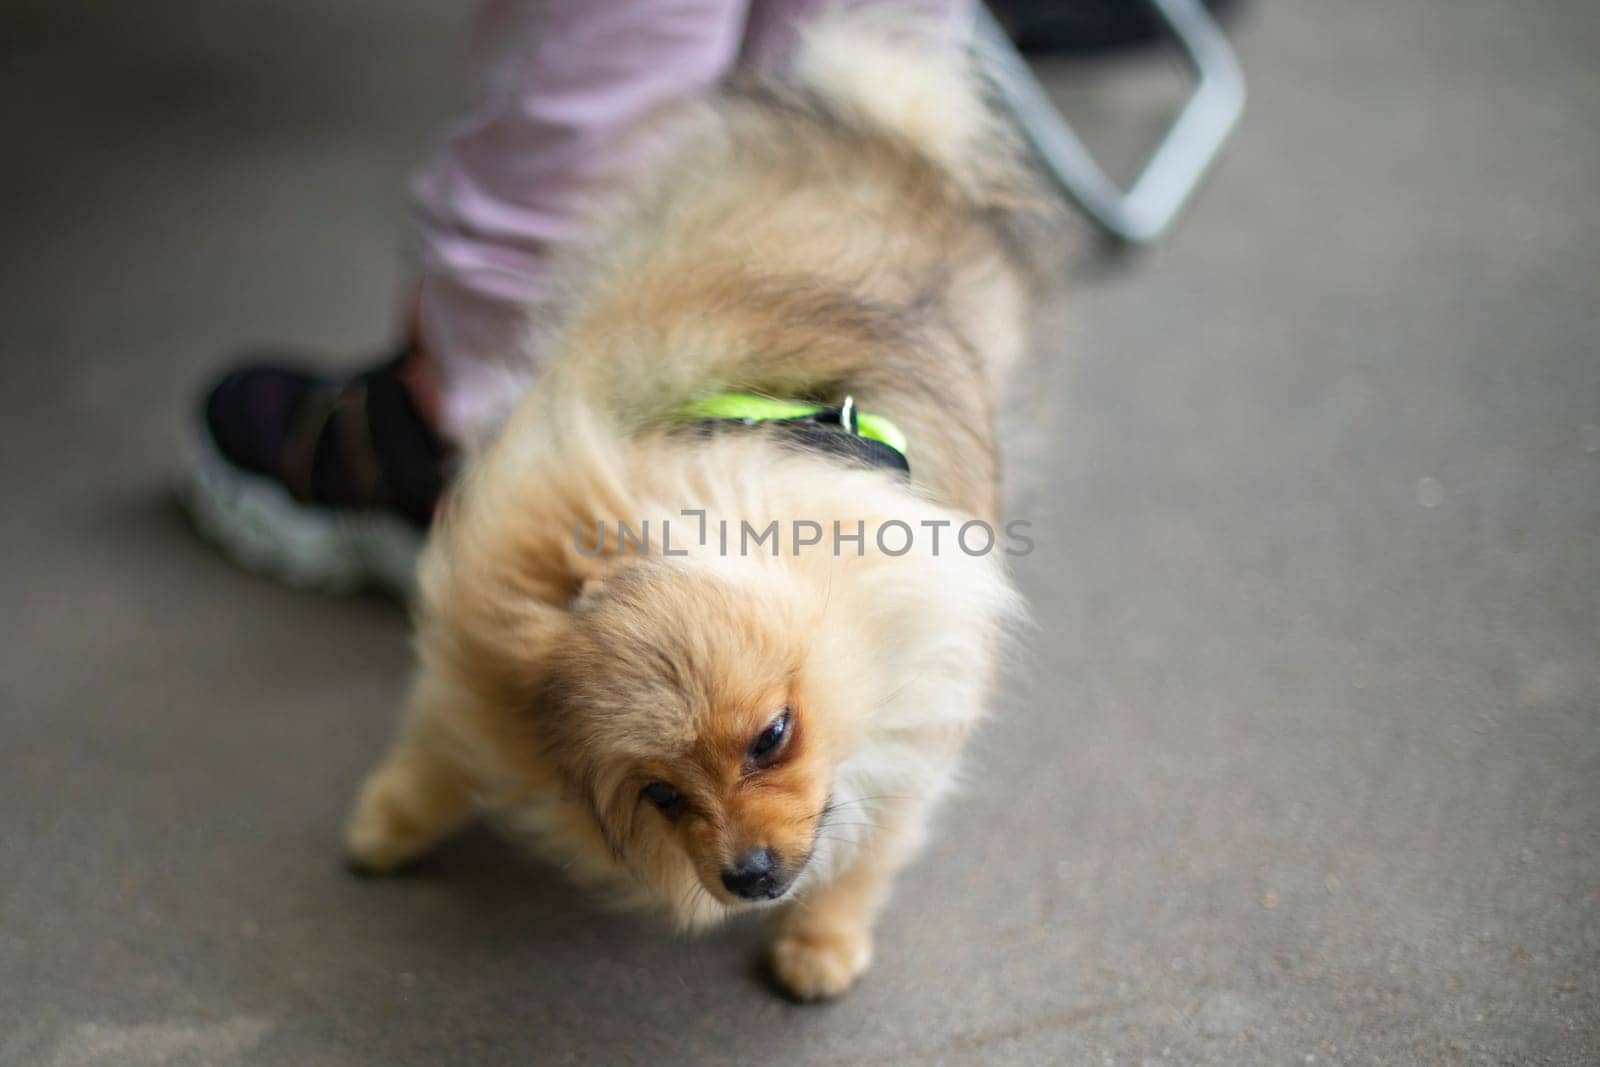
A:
x,y
496,591
513,551
589,591
599,574
491,636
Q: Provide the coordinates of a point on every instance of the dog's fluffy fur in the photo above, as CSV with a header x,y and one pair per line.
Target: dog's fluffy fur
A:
x,y
840,234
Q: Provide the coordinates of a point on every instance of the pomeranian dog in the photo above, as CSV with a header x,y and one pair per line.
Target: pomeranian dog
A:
x,y
685,720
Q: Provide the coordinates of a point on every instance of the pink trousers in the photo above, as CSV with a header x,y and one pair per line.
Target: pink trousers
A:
x,y
560,81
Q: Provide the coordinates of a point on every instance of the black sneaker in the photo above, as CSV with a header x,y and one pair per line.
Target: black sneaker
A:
x,y
327,483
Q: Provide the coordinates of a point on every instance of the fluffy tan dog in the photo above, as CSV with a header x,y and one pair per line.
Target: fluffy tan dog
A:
x,y
702,727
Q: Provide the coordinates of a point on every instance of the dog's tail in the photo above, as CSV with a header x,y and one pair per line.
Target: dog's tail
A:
x,y
888,70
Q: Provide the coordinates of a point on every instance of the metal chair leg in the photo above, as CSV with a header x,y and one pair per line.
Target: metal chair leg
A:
x,y
1143,212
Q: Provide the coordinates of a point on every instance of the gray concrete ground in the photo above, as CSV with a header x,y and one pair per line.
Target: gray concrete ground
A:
x,y
1305,763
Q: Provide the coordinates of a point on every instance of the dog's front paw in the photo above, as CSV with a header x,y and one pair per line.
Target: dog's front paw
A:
x,y
818,964
380,835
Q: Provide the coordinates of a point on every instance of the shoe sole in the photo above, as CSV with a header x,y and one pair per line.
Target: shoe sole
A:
x,y
255,521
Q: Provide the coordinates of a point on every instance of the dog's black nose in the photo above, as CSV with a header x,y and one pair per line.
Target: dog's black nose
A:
x,y
753,874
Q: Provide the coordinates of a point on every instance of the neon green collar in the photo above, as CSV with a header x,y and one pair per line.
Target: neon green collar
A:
x,y
752,408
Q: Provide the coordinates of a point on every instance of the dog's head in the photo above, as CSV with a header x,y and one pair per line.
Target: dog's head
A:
x,y
688,709
721,729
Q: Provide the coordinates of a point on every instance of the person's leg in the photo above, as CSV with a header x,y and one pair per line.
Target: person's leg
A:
x,y
328,479
774,25
517,176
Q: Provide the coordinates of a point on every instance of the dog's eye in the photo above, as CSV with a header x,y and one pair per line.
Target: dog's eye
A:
x,y
664,797
772,738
